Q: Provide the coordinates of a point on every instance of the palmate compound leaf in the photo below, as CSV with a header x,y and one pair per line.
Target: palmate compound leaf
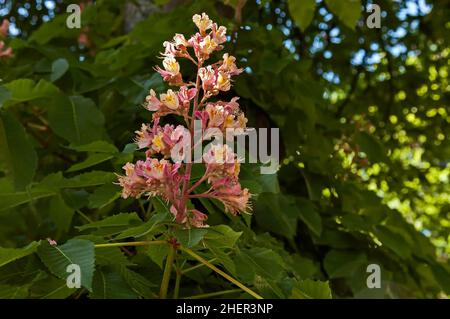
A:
x,y
8,255
75,251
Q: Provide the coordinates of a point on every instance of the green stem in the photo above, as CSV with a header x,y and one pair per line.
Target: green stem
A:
x,y
214,294
167,273
196,266
176,290
84,216
132,243
220,272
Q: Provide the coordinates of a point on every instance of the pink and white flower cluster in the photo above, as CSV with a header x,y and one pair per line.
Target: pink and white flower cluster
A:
x,y
162,175
5,52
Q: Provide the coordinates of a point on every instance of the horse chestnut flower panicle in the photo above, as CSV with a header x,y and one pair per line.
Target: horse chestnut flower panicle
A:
x,y
160,174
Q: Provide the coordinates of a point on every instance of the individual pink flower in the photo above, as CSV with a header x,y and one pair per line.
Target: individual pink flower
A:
x,y
185,95
171,102
144,137
223,81
197,218
202,22
170,99
52,242
218,34
223,116
132,184
171,72
152,103
208,77
233,197
229,65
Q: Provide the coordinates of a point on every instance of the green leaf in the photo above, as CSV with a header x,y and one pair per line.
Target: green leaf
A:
x,y
190,237
59,68
393,241
104,195
95,147
147,229
76,119
16,151
222,257
222,236
109,284
60,213
10,200
54,28
343,263
310,216
23,90
74,251
5,95
94,178
302,11
263,262
138,283
310,289
303,267
277,213
91,160
371,147
348,11
113,224
14,291
158,253
8,255
51,287
442,275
